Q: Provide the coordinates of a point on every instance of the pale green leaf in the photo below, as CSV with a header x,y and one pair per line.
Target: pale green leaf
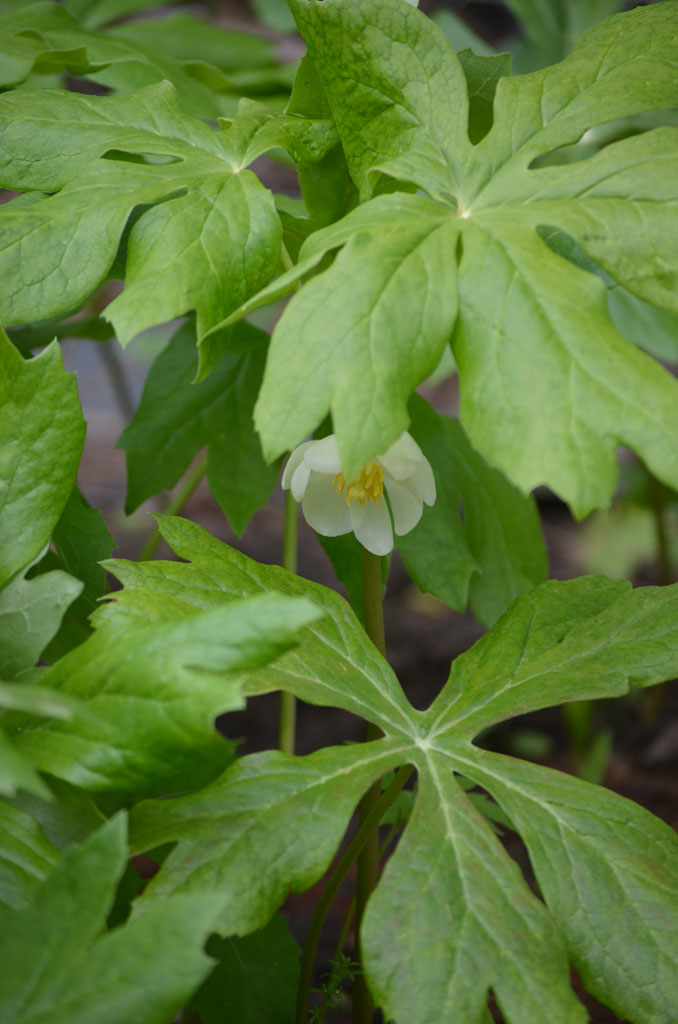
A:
x,y
42,432
152,688
58,967
549,388
212,244
177,417
362,315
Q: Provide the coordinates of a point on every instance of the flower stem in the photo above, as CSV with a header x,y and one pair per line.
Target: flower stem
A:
x,y
367,828
288,704
174,506
368,861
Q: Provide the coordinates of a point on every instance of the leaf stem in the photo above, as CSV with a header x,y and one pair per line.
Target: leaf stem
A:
x,y
285,257
367,828
288,704
368,861
174,506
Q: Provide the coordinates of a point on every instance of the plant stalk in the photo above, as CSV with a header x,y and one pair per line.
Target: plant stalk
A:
x,y
288,704
368,861
367,828
658,499
174,506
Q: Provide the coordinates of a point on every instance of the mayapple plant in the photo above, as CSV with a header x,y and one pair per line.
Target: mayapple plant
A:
x,y
525,220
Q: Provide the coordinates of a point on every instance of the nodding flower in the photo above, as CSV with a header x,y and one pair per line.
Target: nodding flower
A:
x,y
333,506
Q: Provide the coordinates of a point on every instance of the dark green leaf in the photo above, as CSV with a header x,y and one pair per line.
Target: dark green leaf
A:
x,y
255,979
178,417
43,432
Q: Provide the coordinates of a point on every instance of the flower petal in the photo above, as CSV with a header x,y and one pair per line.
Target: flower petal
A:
x,y
323,455
324,509
402,458
372,526
405,505
422,482
300,480
295,458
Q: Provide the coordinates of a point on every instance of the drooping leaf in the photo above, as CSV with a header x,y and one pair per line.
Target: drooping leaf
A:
x,y
58,967
42,432
549,387
31,611
177,417
154,683
452,917
210,238
481,543
255,979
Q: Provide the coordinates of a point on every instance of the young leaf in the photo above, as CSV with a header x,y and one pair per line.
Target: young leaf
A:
x,y
399,99
59,968
210,238
481,542
255,979
43,433
155,683
178,417
452,916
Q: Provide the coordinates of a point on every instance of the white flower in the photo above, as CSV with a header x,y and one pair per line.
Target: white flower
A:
x,y
331,507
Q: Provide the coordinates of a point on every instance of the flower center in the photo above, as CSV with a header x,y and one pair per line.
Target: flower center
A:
x,y
369,486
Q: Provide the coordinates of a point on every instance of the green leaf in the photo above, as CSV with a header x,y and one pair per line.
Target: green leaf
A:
x,y
35,832
481,543
459,34
58,966
553,26
362,315
255,979
16,772
43,433
26,856
30,614
400,101
452,916
212,244
153,678
177,417
187,38
98,12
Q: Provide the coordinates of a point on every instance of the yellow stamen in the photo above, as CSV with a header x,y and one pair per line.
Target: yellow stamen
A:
x,y
369,486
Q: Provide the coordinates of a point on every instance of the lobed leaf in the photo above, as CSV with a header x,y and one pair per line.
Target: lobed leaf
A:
x,y
452,917
549,387
58,966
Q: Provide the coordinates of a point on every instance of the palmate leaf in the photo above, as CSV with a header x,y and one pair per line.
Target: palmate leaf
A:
x,y
59,967
549,387
452,916
210,238
152,683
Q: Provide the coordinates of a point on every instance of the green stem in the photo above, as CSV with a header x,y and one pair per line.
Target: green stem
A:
x,y
346,926
288,705
658,499
174,506
368,861
367,828
285,257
